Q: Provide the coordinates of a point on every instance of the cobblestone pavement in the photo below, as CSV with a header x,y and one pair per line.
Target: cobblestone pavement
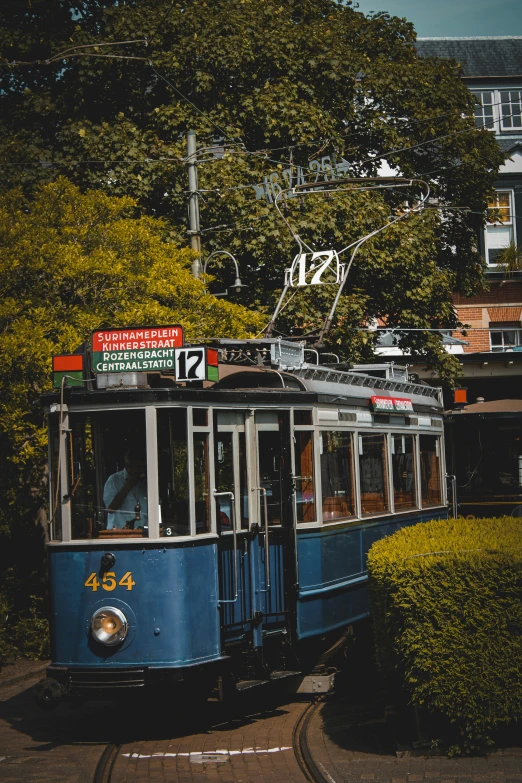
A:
x,y
252,749
59,747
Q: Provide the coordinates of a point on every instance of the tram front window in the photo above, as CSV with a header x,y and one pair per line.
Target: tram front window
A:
x,y
173,472
108,475
374,474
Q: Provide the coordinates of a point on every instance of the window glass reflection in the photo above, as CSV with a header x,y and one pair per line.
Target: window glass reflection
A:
x,y
304,478
403,466
337,475
431,488
374,474
201,482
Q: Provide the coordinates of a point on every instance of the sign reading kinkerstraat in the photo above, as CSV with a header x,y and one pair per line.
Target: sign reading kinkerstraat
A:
x,y
147,349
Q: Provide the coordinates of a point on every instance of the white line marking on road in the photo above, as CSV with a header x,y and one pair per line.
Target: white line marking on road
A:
x,y
208,756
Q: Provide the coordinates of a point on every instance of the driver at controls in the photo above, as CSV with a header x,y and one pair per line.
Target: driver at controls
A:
x,y
125,493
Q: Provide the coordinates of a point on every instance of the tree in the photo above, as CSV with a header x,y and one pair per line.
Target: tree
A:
x,y
72,263
303,80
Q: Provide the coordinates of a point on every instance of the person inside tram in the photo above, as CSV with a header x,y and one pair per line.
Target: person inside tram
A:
x,y
125,493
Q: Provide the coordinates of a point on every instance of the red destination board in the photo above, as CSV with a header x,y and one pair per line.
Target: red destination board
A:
x,y
137,339
389,404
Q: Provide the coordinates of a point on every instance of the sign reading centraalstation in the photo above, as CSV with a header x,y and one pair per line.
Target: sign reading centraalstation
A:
x,y
148,349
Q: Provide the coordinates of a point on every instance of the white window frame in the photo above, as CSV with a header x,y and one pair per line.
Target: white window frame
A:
x,y
510,129
511,224
497,123
502,329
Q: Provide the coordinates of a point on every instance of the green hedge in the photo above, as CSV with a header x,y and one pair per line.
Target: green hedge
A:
x,y
447,616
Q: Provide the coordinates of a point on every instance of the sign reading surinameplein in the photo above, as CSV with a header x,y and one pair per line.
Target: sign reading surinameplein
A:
x,y
136,350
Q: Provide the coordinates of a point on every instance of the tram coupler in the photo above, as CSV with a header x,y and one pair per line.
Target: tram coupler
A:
x,y
48,694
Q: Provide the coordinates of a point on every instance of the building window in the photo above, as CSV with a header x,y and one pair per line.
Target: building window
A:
x,y
500,231
484,117
499,110
505,336
511,109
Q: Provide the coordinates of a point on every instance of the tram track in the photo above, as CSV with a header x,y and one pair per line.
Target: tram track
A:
x,y
313,770
106,763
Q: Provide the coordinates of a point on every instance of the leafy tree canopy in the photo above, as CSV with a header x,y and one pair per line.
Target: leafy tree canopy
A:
x,y
280,85
72,263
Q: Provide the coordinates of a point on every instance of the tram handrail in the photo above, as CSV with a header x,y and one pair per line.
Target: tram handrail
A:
x,y
234,538
267,547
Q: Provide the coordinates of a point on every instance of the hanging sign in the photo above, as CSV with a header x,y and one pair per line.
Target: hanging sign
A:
x,y
391,404
325,169
309,269
147,349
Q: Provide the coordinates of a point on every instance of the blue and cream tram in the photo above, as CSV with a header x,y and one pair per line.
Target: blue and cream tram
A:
x,y
252,501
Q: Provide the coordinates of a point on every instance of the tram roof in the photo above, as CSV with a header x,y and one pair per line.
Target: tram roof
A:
x,y
266,370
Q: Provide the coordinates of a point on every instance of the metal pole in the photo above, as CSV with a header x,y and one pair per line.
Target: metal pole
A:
x,y
195,241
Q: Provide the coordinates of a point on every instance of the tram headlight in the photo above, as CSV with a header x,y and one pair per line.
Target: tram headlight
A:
x,y
109,626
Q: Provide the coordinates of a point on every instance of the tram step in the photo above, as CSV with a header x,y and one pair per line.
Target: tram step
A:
x,y
281,675
244,685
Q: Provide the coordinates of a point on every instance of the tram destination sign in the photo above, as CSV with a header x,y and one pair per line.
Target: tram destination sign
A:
x,y
392,404
143,349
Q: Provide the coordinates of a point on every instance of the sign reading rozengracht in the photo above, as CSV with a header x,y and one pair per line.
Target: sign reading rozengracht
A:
x,y
144,349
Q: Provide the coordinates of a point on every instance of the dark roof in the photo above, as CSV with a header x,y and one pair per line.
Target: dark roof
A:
x,y
510,145
389,339
480,57
493,406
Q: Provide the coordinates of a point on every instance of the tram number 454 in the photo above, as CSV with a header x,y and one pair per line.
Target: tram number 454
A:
x,y
109,581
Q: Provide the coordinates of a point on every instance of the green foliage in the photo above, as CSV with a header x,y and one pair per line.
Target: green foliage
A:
x,y
301,79
72,263
24,634
510,259
447,616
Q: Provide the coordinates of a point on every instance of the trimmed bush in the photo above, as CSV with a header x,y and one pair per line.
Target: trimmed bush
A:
x,y
447,616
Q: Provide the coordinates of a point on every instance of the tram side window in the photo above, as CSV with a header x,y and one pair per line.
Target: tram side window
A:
x,y
337,483
173,472
201,482
403,466
431,488
304,475
108,475
373,470
55,508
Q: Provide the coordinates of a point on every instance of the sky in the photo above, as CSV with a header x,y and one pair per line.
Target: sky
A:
x,y
434,18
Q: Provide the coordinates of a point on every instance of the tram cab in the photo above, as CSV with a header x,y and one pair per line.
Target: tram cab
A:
x,y
245,506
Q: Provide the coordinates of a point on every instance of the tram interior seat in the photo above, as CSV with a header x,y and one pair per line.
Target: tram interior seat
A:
x,y
335,507
372,502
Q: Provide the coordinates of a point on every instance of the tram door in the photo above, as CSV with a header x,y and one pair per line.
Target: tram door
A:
x,y
275,517
253,486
